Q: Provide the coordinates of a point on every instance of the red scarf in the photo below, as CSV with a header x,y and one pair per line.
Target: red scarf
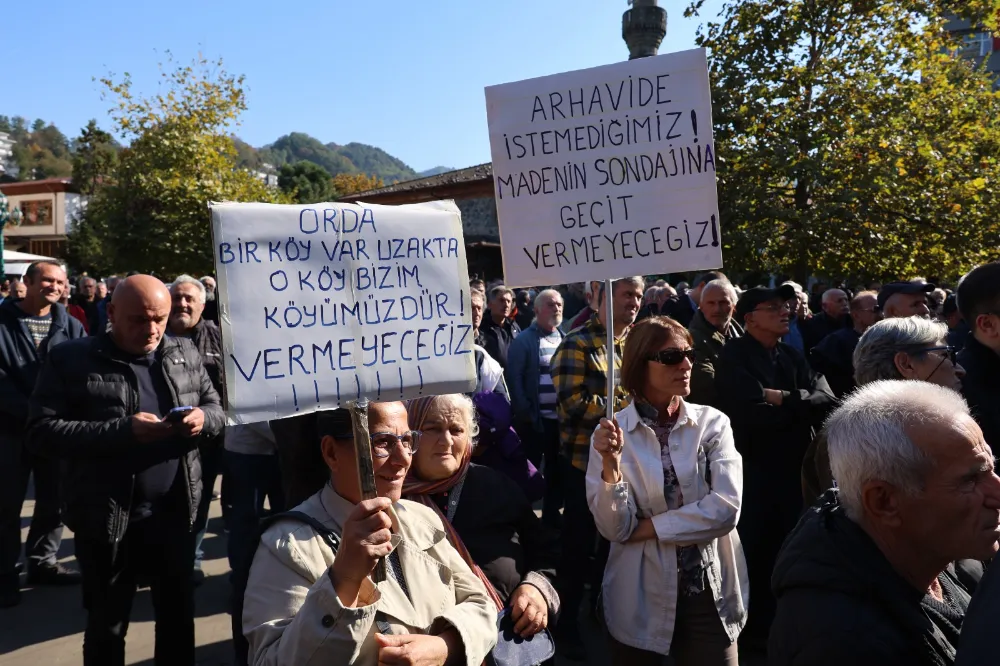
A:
x,y
417,490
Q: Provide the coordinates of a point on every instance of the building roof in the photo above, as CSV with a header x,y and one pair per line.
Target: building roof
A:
x,y
46,185
474,181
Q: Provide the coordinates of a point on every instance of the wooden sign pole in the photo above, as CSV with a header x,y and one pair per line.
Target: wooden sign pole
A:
x,y
366,467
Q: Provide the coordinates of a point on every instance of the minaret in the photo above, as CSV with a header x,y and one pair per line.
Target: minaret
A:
x,y
643,28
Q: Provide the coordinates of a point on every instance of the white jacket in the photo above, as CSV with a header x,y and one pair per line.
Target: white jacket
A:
x,y
640,580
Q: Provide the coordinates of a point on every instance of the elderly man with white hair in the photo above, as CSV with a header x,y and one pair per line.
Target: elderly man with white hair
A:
x,y
710,329
186,321
836,315
882,571
533,396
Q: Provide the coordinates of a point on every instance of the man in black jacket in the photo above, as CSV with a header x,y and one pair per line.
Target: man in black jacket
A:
x,y
681,308
29,328
104,405
882,571
776,404
187,321
833,357
498,330
979,300
835,316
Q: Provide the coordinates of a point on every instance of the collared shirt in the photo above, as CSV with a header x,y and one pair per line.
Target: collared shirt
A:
x,y
579,374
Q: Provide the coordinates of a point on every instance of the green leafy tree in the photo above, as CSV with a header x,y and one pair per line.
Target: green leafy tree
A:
x,y
352,183
95,159
306,182
851,140
152,215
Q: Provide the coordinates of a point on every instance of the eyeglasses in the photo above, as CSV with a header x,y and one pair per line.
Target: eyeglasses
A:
x,y
673,356
951,351
784,307
383,443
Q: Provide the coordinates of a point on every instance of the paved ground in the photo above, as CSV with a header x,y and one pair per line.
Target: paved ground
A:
x,y
47,628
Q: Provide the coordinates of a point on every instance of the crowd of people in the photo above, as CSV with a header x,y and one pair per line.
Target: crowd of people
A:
x,y
806,475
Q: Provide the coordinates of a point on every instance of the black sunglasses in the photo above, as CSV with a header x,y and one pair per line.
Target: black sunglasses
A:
x,y
673,356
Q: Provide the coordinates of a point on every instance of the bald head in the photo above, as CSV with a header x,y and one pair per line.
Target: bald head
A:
x,y
138,314
835,303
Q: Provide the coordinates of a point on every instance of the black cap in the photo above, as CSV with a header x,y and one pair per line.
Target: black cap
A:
x,y
950,305
751,298
893,288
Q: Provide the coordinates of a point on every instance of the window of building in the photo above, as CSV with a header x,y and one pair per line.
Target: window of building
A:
x,y
976,45
48,248
36,212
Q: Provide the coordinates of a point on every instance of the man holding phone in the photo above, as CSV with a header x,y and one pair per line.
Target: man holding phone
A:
x,y
108,405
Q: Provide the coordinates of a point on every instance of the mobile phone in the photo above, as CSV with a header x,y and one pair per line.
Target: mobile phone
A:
x,y
177,414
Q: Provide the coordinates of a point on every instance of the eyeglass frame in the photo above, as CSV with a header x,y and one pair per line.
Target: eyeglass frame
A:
x,y
784,307
415,444
688,354
952,355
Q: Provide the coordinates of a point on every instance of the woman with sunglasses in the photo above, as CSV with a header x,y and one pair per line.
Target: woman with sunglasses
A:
x,y
664,483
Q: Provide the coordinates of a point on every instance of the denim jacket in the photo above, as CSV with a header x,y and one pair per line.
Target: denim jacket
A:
x,y
522,376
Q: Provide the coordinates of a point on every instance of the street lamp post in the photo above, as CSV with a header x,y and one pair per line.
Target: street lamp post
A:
x,y
6,215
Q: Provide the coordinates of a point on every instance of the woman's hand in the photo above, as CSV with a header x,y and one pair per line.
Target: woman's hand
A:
x,y
609,441
367,538
416,649
529,610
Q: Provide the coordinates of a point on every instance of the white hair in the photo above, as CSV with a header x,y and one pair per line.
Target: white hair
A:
x,y
867,437
794,285
724,285
187,279
465,406
875,354
545,293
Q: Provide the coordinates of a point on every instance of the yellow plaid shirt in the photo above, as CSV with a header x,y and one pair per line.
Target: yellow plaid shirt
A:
x,y
580,374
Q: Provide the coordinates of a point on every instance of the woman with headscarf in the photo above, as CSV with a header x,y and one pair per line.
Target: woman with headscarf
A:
x,y
664,483
487,516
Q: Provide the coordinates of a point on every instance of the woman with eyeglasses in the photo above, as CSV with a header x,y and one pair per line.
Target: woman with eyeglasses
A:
x,y
310,597
486,514
664,483
898,348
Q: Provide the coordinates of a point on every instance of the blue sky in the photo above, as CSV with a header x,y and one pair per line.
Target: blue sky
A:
x,y
405,76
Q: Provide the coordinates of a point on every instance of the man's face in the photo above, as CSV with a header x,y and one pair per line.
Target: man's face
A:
x,y
187,306
209,283
957,515
717,307
48,285
102,290
383,417
476,307
501,305
549,312
88,289
627,300
139,326
907,305
865,311
771,317
835,304
18,290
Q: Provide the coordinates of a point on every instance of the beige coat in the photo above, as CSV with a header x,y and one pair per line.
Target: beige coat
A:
x,y
640,580
293,617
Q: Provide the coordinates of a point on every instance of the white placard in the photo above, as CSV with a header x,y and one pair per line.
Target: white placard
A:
x,y
607,172
324,304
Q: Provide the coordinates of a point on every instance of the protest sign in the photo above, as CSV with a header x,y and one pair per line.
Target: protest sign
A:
x,y
606,172
327,304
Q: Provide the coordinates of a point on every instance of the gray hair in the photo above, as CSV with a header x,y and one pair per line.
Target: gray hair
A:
x,y
794,285
86,280
545,293
875,355
465,406
724,285
501,290
868,442
187,279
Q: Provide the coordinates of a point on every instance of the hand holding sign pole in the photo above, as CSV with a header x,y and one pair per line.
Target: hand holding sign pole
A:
x,y
366,466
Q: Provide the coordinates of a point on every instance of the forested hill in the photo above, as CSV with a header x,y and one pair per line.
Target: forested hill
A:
x,y
41,150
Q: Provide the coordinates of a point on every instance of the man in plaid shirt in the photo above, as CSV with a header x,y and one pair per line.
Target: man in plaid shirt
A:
x,y
579,375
